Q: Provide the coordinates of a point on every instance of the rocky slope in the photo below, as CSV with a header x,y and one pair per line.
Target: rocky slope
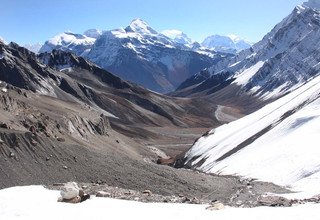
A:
x,y
284,59
63,118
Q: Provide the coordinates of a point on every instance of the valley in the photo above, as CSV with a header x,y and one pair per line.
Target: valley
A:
x,y
156,117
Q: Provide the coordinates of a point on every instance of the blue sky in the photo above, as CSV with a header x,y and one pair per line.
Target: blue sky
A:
x,y
31,21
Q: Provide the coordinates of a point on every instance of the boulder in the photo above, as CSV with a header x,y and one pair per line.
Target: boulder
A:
x,y
274,201
70,190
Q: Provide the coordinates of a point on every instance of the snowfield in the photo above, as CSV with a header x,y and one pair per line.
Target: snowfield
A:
x,y
279,143
36,202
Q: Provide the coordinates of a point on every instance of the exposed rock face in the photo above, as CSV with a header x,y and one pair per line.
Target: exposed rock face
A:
x,y
19,68
274,201
103,125
283,60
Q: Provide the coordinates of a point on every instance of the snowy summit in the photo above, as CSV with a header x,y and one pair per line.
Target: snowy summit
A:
x,y
3,40
178,36
141,27
230,43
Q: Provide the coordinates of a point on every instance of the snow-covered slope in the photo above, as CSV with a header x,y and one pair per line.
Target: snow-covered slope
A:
x,y
33,47
284,59
140,54
231,44
93,33
178,37
67,41
278,143
36,202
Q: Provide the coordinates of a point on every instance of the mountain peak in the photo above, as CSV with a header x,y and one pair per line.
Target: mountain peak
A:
x,y
93,33
139,26
3,40
234,37
177,36
315,4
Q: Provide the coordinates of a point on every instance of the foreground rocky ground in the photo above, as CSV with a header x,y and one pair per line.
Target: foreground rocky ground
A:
x,y
230,191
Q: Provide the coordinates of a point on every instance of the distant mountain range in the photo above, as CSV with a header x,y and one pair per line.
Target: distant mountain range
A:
x,y
230,44
158,61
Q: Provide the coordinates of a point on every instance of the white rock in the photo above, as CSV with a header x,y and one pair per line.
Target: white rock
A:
x,y
70,190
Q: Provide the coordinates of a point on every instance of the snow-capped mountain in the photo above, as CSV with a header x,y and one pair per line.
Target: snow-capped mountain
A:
x,y
285,58
231,43
278,143
3,40
33,47
140,54
67,41
178,37
93,33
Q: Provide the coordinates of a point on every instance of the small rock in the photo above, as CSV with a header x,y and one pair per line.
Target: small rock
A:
x,y
65,167
81,193
33,142
4,125
118,141
103,194
1,141
215,206
185,200
147,192
33,130
195,201
47,158
128,193
47,134
61,139
12,154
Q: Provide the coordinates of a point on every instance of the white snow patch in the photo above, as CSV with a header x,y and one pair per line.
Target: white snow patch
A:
x,y
71,127
36,202
247,74
234,64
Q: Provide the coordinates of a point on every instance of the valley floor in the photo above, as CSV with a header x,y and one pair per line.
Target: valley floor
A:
x,y
36,202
